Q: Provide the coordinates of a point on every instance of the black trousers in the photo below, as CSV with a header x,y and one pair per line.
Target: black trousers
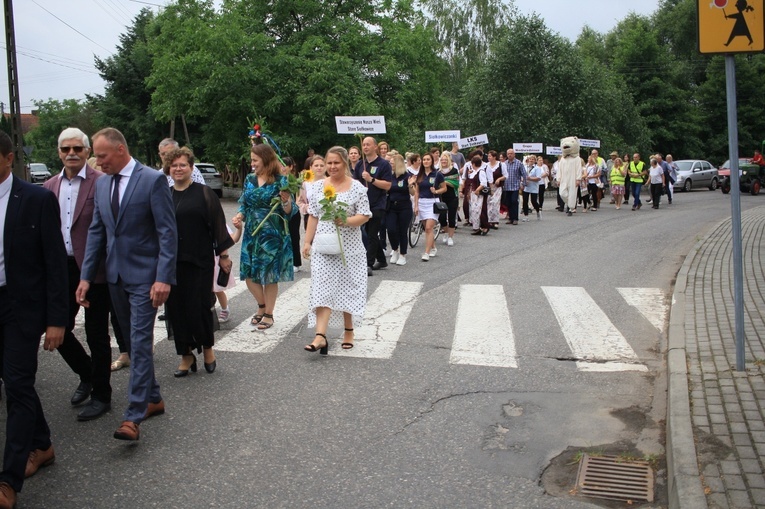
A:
x,y
453,203
25,426
374,247
534,202
561,203
594,193
541,196
656,190
93,368
297,260
510,199
397,219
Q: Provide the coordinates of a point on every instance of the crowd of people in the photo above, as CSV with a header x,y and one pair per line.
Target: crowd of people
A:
x,y
121,239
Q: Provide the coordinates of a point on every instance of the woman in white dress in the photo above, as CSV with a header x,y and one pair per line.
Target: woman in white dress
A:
x,y
493,172
337,286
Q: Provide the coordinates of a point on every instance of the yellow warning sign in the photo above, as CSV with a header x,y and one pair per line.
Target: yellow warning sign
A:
x,y
731,26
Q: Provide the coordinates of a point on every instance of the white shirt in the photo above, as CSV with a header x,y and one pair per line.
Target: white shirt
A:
x,y
5,194
656,173
67,201
125,173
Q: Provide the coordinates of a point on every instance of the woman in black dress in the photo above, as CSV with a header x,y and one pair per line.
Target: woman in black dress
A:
x,y
201,234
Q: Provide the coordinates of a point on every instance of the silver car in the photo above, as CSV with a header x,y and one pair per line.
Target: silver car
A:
x,y
38,173
695,174
213,179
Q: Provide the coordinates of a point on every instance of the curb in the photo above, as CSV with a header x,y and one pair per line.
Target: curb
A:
x,y
684,479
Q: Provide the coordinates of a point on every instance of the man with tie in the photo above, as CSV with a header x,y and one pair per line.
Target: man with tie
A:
x,y
75,189
134,221
33,301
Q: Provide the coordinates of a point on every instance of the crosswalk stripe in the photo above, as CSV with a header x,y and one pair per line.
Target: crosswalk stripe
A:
x,y
291,307
387,311
594,341
650,302
483,334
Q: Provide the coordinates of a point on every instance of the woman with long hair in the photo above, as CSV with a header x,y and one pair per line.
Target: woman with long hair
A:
x,y
266,256
429,184
593,178
476,182
399,214
493,172
450,197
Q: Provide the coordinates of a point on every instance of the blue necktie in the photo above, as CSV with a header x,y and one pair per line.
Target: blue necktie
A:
x,y
116,195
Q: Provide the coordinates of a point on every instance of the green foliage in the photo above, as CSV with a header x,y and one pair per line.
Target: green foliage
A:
x,y
55,116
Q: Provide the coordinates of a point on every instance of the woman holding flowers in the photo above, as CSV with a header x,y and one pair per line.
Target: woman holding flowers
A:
x,y
265,208
339,207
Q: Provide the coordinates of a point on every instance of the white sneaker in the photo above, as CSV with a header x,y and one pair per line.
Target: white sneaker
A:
x,y
525,219
401,260
539,215
394,257
449,241
444,240
296,269
425,257
224,315
433,252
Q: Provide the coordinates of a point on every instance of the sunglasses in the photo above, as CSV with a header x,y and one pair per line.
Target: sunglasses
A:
x,y
66,150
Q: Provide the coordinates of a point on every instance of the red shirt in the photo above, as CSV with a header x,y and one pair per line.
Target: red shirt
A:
x,y
758,159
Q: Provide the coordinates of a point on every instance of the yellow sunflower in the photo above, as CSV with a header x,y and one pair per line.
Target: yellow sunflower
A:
x,y
308,176
329,192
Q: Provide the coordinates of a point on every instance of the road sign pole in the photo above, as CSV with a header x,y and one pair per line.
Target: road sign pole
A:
x,y
735,209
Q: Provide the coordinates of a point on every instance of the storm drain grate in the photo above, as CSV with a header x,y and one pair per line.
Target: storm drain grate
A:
x,y
614,478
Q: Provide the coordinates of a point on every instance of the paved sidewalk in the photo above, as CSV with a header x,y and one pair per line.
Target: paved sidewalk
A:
x,y
722,467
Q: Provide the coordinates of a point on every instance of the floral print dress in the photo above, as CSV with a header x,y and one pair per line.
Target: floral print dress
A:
x,y
266,257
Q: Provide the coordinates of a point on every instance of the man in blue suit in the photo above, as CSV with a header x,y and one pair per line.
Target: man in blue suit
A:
x,y
33,300
134,220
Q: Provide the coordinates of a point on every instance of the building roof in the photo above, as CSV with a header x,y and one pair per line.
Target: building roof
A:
x,y
28,121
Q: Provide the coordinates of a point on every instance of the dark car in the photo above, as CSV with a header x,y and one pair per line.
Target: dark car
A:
x,y
751,176
38,173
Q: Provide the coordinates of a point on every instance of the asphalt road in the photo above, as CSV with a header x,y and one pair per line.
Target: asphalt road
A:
x,y
285,428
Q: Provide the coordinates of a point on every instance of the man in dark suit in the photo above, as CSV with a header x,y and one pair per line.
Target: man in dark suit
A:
x,y
134,221
75,189
33,300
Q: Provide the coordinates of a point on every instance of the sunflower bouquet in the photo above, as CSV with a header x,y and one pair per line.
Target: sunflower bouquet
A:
x,y
292,186
332,210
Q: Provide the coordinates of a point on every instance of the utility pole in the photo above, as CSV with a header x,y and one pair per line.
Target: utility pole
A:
x,y
13,88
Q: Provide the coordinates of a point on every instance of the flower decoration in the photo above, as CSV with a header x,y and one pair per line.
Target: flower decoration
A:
x,y
292,186
334,211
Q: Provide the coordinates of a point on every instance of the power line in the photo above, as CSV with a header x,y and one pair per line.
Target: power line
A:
x,y
70,26
147,3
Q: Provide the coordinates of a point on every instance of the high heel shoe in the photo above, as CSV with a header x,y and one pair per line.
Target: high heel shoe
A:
x,y
210,367
179,373
323,350
345,344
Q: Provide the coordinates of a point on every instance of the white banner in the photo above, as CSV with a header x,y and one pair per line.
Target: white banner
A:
x,y
474,141
589,143
527,148
360,125
441,136
554,151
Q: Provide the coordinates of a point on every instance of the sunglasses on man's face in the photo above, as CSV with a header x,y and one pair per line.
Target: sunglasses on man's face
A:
x,y
66,150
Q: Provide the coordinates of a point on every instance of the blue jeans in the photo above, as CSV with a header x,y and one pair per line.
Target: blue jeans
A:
x,y
636,187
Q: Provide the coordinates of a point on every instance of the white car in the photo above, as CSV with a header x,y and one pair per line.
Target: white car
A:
x,y
213,179
38,173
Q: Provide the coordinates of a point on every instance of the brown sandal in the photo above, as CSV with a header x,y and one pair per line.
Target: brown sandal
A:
x,y
261,326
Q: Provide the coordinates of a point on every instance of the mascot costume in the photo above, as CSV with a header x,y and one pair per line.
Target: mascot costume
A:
x,y
569,172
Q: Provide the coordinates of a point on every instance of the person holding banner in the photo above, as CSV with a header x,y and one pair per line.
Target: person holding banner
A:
x,y
457,158
450,197
376,174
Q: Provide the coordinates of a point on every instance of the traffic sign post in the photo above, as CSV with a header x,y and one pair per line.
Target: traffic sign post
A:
x,y
730,27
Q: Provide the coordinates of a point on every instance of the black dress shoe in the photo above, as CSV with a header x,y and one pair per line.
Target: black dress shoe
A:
x,y
211,366
369,271
180,373
161,317
82,393
379,265
93,410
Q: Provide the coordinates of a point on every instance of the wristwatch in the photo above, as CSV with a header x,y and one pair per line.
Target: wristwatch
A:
x,y
372,181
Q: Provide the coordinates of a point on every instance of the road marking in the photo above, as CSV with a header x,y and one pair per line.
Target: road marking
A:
x,y
589,333
386,314
483,334
651,302
291,308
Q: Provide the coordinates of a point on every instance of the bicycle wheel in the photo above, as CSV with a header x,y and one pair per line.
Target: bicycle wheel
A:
x,y
415,230
436,230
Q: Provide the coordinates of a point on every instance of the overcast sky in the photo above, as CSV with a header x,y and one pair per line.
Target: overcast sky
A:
x,y
56,40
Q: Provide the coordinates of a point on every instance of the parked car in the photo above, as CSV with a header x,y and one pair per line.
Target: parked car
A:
x,y
695,174
38,173
751,176
213,179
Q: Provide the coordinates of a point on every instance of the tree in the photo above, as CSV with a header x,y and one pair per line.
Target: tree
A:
x,y
538,87
126,103
55,116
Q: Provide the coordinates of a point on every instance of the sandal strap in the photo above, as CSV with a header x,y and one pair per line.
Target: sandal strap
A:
x,y
262,306
266,315
320,334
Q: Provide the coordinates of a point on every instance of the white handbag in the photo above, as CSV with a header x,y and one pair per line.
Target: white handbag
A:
x,y
327,243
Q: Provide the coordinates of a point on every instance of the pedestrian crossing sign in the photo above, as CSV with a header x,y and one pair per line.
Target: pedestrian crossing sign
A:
x,y
731,26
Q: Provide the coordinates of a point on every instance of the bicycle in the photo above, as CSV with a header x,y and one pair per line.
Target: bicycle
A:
x,y
417,228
